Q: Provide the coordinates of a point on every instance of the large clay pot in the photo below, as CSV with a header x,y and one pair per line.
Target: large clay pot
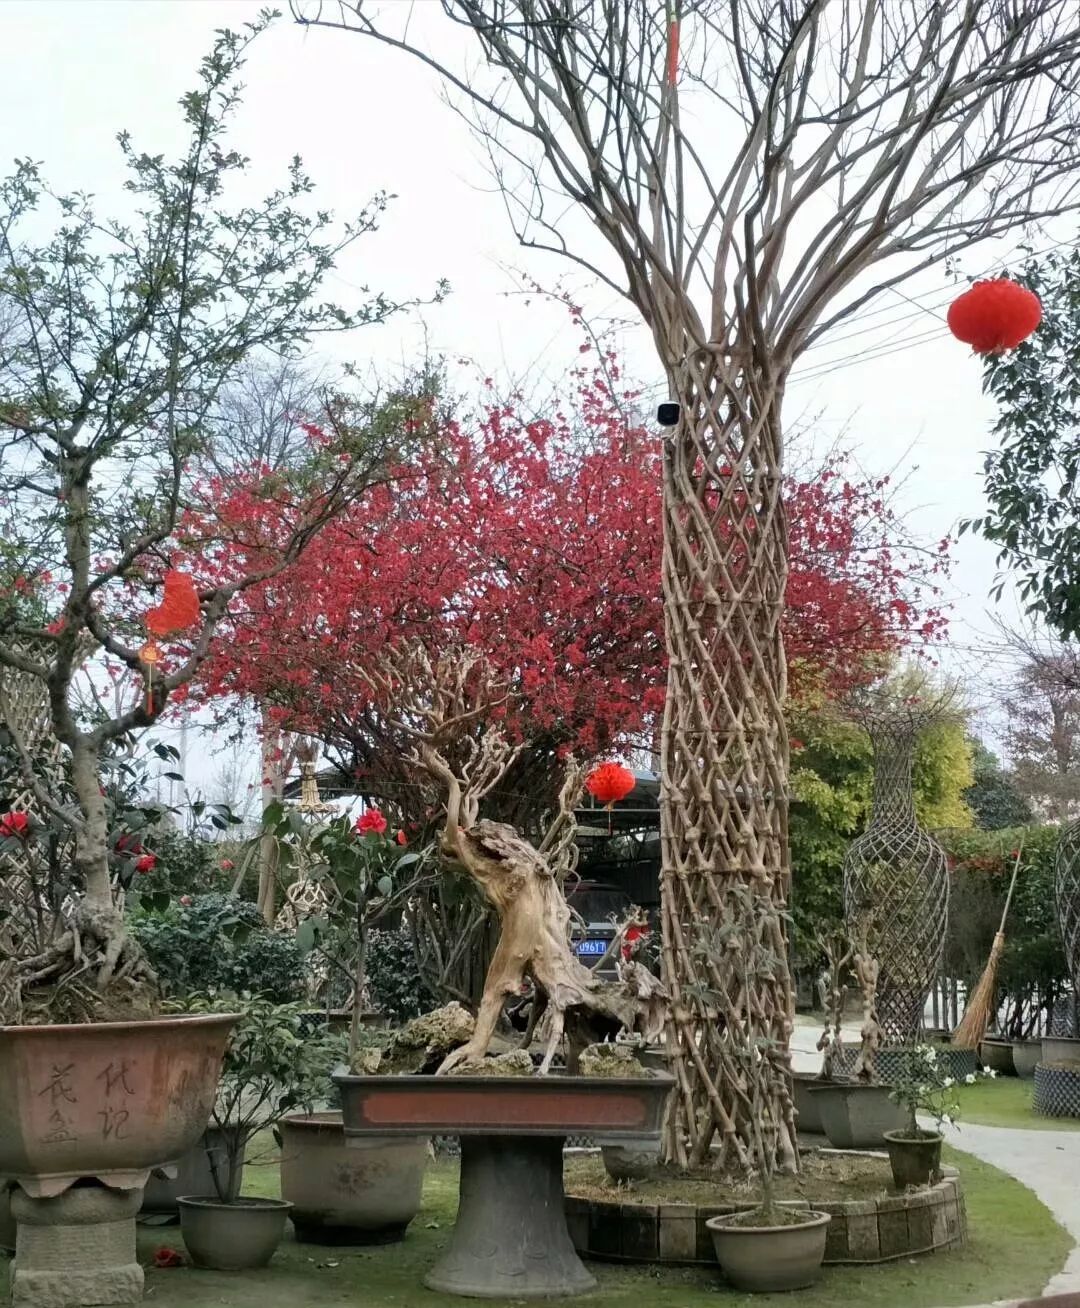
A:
x,y
232,1237
1026,1054
770,1258
365,1191
856,1116
997,1055
914,1159
107,1101
1060,1049
808,1115
194,1174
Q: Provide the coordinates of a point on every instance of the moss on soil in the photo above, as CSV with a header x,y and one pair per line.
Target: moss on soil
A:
x,y
823,1176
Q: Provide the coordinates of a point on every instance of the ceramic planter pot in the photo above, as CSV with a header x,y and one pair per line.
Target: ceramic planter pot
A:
x,y
363,1191
1026,1056
856,1116
915,1160
194,1174
806,1105
236,1237
1060,1049
997,1056
763,1259
107,1101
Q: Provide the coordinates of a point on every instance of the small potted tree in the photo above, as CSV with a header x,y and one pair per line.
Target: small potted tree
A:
x,y
369,1190
921,1087
270,1068
771,1247
856,1112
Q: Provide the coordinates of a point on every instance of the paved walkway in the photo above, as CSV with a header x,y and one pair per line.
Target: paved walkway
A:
x,y
1047,1162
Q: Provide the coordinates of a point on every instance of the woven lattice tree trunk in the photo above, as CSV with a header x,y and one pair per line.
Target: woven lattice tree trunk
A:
x,y
896,882
724,751
1067,896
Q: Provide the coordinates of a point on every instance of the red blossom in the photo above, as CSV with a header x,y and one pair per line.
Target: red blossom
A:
x,y
146,864
186,901
402,838
226,865
166,1257
15,825
371,823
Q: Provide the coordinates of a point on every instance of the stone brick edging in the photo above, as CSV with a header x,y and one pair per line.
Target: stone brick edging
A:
x,y
861,1230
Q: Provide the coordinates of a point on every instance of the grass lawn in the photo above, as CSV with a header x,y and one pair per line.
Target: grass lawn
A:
x,y
1016,1247
1006,1101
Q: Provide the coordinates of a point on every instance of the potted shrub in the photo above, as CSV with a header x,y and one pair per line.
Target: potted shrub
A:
x,y
922,1086
364,1191
270,1068
770,1247
856,1113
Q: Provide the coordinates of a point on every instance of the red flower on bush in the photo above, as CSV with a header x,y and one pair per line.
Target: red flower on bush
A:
x,y
402,838
166,1257
226,865
128,845
146,864
15,825
186,901
371,823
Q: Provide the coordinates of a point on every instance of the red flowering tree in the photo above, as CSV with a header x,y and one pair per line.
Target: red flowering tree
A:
x,y
539,542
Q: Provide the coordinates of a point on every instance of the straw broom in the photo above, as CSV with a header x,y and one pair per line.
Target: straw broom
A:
x,y
980,1007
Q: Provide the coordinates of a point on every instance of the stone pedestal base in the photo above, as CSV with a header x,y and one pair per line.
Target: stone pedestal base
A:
x,y
510,1239
77,1249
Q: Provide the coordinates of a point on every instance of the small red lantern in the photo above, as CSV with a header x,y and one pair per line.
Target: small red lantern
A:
x,y
179,607
994,316
609,782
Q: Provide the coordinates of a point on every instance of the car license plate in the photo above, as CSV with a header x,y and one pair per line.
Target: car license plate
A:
x,y
592,947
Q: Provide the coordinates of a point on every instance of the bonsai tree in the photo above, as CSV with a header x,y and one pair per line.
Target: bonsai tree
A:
x,y
121,338
440,703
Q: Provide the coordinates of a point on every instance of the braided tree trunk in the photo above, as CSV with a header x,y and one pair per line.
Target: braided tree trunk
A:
x,y
724,803
1067,896
896,884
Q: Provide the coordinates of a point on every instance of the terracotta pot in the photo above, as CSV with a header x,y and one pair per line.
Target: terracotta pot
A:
x,y
856,1116
806,1107
107,1101
193,1175
915,1160
1060,1049
770,1258
364,1191
1026,1056
997,1056
234,1237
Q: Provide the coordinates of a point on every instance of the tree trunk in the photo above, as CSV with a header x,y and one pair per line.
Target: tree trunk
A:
x,y
273,791
724,798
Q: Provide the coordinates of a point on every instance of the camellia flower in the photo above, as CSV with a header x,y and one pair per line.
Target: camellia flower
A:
x,y
371,823
226,865
15,825
402,838
166,1257
146,864
186,901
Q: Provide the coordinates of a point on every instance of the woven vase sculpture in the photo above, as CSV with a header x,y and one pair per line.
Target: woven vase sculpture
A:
x,y
896,881
1067,896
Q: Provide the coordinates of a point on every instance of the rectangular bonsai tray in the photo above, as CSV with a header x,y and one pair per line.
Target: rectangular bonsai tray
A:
x,y
480,1105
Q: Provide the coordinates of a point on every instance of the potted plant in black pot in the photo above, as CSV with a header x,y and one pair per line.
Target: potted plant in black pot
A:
x,y
364,1191
922,1086
271,1067
772,1246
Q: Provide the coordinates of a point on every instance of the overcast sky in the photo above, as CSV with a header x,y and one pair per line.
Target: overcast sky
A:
x,y
78,71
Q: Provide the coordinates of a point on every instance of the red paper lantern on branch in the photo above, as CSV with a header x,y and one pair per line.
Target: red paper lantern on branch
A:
x,y
179,607
609,782
994,316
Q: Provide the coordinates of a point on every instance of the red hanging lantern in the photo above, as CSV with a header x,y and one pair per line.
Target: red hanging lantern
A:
x,y
609,782
179,607
994,316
